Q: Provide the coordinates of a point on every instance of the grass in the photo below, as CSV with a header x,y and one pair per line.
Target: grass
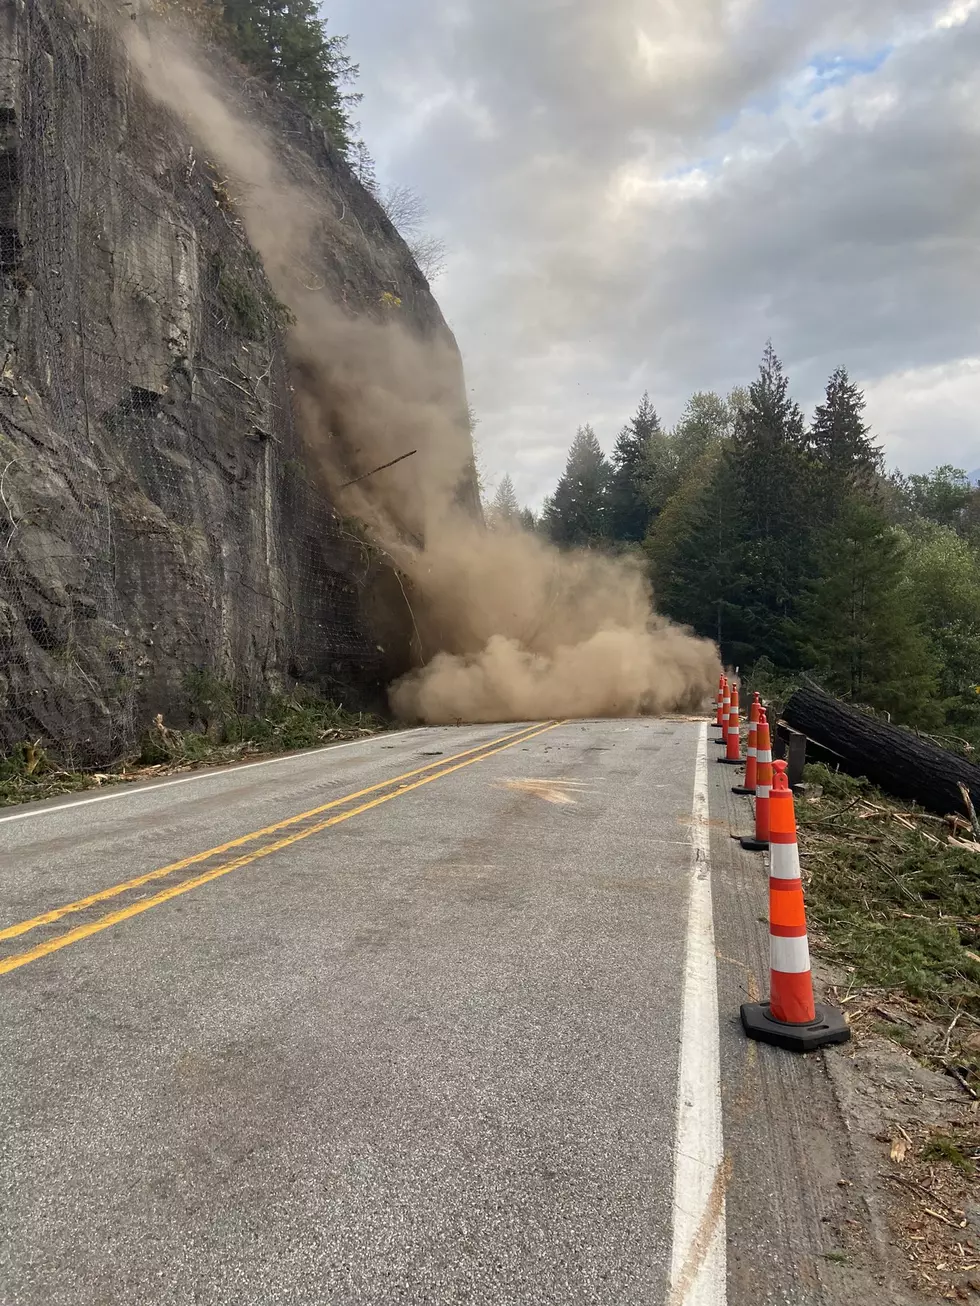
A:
x,y
898,906
27,773
220,734
282,724
244,303
253,309
943,1148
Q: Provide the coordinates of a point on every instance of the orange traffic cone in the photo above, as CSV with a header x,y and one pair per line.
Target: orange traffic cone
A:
x,y
720,700
733,745
790,1019
726,706
763,787
751,752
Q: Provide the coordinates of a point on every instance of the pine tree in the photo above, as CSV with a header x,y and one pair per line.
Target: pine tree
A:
x,y
505,510
528,520
846,457
363,166
772,502
285,41
633,461
692,547
769,424
543,524
858,629
576,513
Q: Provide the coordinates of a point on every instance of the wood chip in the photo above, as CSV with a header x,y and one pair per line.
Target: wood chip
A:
x,y
969,844
899,1148
953,1224
896,1017
916,1189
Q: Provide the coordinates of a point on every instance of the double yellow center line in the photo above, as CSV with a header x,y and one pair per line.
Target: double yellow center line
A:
x,y
385,791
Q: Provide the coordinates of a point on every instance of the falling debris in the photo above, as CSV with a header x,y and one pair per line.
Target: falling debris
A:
x,y
506,627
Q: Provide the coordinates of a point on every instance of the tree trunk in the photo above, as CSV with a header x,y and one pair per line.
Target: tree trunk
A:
x,y
896,760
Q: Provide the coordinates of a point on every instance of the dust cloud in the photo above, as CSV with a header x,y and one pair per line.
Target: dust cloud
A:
x,y
530,632
506,627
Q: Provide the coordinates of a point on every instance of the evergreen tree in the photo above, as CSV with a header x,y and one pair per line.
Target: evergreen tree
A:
x,y
528,520
576,513
692,547
842,448
629,506
543,524
363,166
769,423
505,510
772,501
286,42
858,629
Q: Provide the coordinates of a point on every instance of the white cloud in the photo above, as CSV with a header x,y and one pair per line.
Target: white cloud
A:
x,y
928,416
958,13
639,194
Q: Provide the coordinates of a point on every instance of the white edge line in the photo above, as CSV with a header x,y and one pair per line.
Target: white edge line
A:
x,y
698,1269
151,786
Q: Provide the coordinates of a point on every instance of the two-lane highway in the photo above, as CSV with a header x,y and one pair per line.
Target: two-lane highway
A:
x,y
428,1018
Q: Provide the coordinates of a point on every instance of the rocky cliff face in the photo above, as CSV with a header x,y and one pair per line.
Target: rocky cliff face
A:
x,y
157,510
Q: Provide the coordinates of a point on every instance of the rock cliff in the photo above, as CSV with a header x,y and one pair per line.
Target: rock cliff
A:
x,y
158,512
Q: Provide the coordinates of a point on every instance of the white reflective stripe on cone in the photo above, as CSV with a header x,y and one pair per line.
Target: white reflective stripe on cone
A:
x,y
764,755
753,752
784,861
789,956
762,791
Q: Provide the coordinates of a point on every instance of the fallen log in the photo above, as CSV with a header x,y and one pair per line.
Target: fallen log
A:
x,y
896,760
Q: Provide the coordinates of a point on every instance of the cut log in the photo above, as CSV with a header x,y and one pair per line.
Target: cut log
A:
x,y
901,763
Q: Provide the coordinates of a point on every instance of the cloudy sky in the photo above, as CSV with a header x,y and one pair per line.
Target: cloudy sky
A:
x,y
636,194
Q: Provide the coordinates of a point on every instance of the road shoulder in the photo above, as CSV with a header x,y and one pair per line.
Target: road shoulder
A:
x,y
801,1230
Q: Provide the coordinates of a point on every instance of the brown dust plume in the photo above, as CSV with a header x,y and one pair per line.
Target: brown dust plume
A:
x,y
508,628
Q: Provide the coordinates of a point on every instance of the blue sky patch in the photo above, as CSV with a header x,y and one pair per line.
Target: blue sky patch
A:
x,y
838,68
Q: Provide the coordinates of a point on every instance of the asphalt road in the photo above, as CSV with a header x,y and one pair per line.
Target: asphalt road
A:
x,y
433,1018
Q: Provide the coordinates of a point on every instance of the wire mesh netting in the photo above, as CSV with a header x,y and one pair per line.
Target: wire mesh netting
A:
x,y
157,514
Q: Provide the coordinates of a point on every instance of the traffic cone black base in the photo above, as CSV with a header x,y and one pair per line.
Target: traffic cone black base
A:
x,y
828,1028
741,789
753,845
732,761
